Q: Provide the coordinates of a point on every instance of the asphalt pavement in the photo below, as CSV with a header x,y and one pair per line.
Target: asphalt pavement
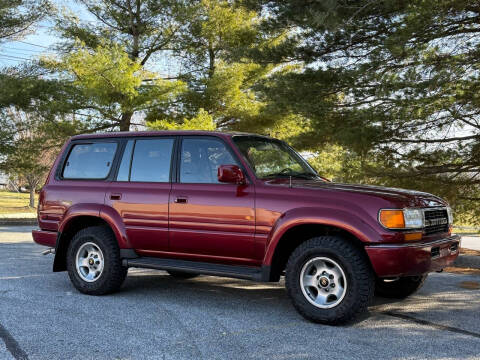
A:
x,y
157,317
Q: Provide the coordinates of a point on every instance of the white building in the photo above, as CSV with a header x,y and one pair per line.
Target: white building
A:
x,y
3,180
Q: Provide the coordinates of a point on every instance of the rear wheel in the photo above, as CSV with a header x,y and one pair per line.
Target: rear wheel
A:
x,y
93,261
181,274
329,280
399,288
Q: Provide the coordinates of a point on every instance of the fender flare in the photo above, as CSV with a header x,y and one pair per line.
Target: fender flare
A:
x,y
106,213
115,221
99,211
87,209
339,218
77,210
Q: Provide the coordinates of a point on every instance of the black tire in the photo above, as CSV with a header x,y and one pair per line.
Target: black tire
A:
x,y
182,275
113,274
354,264
400,288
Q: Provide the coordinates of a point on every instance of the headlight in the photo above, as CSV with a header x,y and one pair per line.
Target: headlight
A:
x,y
413,218
402,219
450,215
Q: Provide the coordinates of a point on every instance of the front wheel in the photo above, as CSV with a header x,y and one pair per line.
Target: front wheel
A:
x,y
399,288
329,280
93,261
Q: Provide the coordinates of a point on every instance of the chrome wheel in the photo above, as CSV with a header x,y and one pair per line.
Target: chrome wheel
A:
x,y
323,282
89,261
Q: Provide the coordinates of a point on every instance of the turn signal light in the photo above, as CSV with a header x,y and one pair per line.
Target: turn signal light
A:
x,y
413,236
392,219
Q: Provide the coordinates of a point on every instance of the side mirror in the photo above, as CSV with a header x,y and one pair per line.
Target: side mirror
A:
x,y
231,174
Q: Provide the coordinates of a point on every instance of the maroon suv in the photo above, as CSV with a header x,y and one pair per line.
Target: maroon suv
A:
x,y
236,205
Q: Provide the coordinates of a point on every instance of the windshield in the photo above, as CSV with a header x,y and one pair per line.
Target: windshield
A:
x,y
273,158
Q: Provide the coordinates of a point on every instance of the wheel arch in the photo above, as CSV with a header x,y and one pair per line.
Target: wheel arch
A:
x,y
68,229
293,231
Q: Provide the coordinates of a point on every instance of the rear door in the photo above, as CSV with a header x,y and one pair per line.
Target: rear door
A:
x,y
81,179
210,221
140,192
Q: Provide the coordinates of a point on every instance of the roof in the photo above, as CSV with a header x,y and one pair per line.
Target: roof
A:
x,y
160,133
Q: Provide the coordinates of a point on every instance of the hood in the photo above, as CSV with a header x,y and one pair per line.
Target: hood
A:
x,y
400,197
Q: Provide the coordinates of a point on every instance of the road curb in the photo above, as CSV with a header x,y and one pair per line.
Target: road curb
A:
x,y
7,221
468,261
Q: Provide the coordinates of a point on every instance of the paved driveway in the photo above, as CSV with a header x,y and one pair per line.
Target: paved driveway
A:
x,y
158,317
471,242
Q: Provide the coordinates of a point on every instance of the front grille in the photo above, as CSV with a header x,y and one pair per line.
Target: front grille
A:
x,y
436,221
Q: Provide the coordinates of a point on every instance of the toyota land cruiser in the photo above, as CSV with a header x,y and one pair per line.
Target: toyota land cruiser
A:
x,y
236,205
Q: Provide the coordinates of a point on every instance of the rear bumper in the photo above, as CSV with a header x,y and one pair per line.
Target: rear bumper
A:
x,y
45,238
413,259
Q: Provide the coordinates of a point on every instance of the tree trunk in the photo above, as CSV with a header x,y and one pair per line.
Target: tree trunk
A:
x,y
32,196
211,63
125,121
32,181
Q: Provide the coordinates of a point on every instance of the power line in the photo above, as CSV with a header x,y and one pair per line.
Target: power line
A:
x,y
20,49
15,53
28,43
18,52
14,57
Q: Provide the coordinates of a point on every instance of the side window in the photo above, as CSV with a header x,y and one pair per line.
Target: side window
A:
x,y
201,158
89,161
124,170
151,160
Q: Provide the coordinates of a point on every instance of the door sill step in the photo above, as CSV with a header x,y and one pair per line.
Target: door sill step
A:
x,y
204,268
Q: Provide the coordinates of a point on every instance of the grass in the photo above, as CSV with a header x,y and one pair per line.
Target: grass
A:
x,y
12,202
470,231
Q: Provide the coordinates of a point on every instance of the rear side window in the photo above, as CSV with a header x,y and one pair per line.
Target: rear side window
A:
x,y
151,160
90,161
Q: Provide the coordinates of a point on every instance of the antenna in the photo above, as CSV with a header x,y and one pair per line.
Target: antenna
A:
x,y
290,185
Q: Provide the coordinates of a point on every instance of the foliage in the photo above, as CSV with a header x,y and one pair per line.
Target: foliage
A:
x,y
203,121
219,77
373,91
106,64
393,82
110,86
17,17
29,157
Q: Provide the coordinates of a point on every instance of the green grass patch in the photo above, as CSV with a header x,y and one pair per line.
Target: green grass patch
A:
x,y
466,231
12,202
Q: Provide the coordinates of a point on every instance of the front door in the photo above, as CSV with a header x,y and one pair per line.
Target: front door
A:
x,y
141,192
210,221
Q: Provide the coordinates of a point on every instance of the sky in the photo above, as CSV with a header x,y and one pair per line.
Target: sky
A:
x,y
30,47
41,39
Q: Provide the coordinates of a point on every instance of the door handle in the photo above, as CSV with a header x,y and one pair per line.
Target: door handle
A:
x,y
115,196
181,200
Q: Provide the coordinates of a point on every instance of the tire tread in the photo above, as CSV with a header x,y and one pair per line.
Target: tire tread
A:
x,y
364,287
114,272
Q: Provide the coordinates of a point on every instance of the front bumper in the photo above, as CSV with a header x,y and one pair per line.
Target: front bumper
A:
x,y
413,259
45,238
